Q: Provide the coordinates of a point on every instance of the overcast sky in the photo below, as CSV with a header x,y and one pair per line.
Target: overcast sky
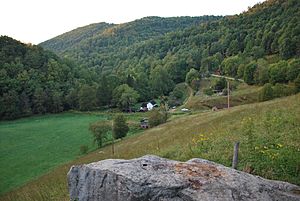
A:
x,y
34,21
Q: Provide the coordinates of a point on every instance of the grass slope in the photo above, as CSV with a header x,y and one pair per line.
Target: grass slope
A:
x,y
32,146
273,127
244,94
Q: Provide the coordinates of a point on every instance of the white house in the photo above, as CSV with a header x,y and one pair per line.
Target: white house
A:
x,y
150,106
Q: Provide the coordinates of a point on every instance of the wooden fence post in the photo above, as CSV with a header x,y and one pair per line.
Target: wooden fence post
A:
x,y
113,146
235,155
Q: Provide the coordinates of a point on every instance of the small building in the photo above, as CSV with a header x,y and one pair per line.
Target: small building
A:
x,y
144,123
148,106
151,104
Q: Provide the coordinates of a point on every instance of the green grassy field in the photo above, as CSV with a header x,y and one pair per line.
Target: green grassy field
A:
x,y
269,134
33,146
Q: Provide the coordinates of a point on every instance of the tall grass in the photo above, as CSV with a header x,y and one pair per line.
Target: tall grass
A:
x,y
269,136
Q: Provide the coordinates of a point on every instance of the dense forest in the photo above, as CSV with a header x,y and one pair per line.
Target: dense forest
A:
x,y
102,37
32,80
258,46
118,65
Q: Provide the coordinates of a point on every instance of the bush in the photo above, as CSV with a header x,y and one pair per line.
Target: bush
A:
x,y
84,149
208,91
266,93
157,117
280,90
219,84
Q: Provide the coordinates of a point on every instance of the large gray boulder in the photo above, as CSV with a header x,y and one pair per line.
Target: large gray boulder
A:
x,y
154,178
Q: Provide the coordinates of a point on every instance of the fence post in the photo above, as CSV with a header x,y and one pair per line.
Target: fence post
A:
x,y
235,155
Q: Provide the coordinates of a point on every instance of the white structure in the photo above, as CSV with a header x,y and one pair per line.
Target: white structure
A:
x,y
150,106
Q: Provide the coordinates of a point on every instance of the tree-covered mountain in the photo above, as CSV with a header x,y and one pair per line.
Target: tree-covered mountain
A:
x,y
101,46
228,44
68,40
117,65
32,80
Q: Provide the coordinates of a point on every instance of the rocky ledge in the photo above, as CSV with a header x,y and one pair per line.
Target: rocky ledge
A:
x,y
158,179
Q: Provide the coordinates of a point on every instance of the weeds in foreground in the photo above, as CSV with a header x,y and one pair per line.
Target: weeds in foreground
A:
x,y
269,143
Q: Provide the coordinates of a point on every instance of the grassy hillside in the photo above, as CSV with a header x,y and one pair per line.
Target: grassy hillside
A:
x,y
244,94
268,133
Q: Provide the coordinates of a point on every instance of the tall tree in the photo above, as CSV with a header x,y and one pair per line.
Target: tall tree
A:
x,y
286,47
160,81
100,131
39,101
249,73
87,98
120,127
124,97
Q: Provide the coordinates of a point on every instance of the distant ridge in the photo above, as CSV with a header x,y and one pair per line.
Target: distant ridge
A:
x,y
69,39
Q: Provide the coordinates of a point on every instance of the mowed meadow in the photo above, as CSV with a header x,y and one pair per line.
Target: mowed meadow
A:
x,y
268,132
30,147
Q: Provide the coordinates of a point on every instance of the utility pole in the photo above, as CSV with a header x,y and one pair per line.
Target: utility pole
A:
x,y
228,95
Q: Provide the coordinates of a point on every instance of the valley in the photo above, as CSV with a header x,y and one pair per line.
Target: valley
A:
x,y
155,85
209,135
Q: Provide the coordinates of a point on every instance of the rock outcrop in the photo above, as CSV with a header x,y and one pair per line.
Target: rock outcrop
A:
x,y
154,178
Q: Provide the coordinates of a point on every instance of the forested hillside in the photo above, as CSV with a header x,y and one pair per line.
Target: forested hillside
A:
x,y
32,80
119,65
258,46
68,40
98,46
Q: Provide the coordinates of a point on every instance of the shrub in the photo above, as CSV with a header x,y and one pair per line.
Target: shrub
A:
x,y
84,149
280,90
219,84
208,91
266,93
157,117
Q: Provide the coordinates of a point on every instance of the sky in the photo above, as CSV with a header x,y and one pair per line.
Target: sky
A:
x,y
34,21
